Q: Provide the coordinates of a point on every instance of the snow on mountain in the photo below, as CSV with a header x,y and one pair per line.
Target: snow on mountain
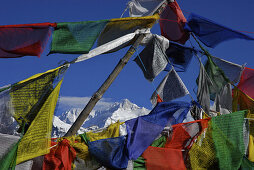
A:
x,y
100,117
69,108
59,127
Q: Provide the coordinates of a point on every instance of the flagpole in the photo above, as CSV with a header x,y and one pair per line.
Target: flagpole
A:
x,y
99,93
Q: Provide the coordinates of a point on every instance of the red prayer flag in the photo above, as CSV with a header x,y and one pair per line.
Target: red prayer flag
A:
x,y
24,39
60,156
246,83
172,23
163,159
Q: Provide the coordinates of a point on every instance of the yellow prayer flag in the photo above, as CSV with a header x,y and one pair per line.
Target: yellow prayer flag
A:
x,y
37,139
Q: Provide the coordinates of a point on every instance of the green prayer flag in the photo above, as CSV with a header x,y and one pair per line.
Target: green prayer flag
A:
x,y
216,75
76,37
227,133
247,164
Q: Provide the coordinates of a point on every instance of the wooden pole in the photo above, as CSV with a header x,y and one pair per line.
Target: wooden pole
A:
x,y
99,93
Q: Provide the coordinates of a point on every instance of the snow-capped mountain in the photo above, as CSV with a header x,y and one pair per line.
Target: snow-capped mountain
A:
x,y
100,117
69,108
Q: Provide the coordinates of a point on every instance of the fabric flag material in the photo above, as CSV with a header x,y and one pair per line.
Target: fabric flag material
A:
x,y
242,101
9,146
202,153
36,141
60,156
119,27
81,148
223,100
152,59
217,76
227,134
203,93
247,164
24,40
24,99
139,164
170,88
231,70
139,8
76,37
173,155
143,130
110,152
163,159
179,55
172,23
211,33
247,81
112,45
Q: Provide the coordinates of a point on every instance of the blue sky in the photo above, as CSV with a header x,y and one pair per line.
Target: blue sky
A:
x,y
84,78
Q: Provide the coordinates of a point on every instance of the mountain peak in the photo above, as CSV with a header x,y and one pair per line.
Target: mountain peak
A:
x,y
126,104
104,116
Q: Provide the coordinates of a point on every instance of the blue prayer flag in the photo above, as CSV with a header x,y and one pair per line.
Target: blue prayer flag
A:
x,y
143,130
211,33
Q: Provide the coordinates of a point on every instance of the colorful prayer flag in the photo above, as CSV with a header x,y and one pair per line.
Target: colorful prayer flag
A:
x,y
24,99
143,130
211,33
179,55
37,139
24,40
247,81
119,27
172,23
227,133
216,75
231,70
60,156
76,37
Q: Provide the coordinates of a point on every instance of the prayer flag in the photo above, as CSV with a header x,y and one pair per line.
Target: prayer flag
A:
x,y
76,37
223,100
247,81
227,133
8,153
173,155
231,70
139,164
179,55
217,76
202,154
139,8
152,59
170,88
143,130
24,40
172,23
211,33
110,152
163,159
60,156
24,99
113,130
119,27
203,93
36,141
